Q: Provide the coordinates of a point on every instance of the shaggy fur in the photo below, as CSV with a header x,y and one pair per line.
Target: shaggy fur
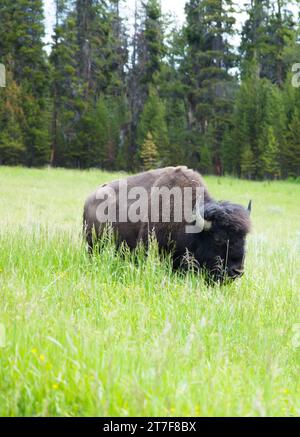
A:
x,y
220,250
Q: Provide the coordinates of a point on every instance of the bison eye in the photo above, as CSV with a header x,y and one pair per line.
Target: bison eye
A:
x,y
218,240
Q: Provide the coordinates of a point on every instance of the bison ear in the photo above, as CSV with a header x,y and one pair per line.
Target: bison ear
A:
x,y
215,212
249,207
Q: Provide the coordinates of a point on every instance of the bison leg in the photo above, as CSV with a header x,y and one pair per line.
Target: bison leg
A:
x,y
88,234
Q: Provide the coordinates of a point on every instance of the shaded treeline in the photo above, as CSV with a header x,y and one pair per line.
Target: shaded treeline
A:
x,y
122,97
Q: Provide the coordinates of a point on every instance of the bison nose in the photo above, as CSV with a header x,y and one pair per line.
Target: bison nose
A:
x,y
237,272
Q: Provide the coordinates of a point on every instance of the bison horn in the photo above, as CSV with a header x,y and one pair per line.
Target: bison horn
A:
x,y
203,224
207,225
249,206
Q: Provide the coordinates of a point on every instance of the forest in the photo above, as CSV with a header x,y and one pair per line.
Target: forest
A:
x,y
210,94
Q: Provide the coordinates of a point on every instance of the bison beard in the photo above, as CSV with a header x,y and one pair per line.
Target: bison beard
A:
x,y
218,249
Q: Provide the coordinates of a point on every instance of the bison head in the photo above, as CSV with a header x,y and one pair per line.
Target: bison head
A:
x,y
222,247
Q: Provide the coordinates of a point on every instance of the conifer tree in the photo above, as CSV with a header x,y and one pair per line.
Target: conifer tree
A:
x,y
12,147
270,154
88,59
291,153
259,106
154,48
209,57
148,153
172,91
267,32
66,91
153,120
21,45
247,163
229,151
148,50
185,85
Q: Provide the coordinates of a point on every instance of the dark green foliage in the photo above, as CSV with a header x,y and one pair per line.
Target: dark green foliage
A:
x,y
148,50
168,95
154,49
88,59
21,49
259,110
229,151
11,121
247,162
266,34
153,120
270,154
209,57
291,152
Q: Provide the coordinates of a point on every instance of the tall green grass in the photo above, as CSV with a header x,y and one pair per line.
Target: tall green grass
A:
x,y
113,335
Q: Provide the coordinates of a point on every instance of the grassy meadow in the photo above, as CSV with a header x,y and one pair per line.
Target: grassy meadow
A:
x,y
108,336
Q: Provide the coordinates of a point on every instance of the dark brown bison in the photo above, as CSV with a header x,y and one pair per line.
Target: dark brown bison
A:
x,y
211,233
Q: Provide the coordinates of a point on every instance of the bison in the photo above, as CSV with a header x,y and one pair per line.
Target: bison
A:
x,y
212,234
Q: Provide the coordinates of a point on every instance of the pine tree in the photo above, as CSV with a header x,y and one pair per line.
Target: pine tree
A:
x,y
148,153
270,154
289,150
179,87
268,31
175,152
11,120
259,106
254,35
282,35
205,165
247,163
154,49
246,125
21,33
209,57
153,120
229,152
148,50
59,59
88,59
173,93
65,87
291,153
